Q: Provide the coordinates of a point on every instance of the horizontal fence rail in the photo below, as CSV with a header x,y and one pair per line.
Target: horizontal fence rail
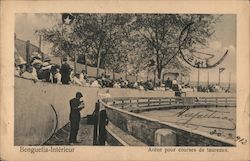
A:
x,y
135,103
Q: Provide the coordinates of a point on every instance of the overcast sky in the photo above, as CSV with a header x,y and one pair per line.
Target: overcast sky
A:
x,y
225,38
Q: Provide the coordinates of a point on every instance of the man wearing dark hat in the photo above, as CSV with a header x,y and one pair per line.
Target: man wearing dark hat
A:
x,y
65,72
76,105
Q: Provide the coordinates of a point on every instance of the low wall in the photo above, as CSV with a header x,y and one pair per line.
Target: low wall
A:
x,y
34,116
144,129
35,120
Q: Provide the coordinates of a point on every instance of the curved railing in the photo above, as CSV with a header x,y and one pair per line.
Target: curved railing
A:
x,y
137,104
123,113
55,127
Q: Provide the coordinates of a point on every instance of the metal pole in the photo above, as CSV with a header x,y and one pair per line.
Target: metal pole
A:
x,y
40,47
28,52
147,73
75,64
126,74
154,76
98,64
207,78
229,82
86,67
181,78
219,78
40,43
61,43
198,83
113,73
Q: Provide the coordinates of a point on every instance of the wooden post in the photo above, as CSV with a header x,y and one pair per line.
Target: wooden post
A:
x,y
122,104
148,102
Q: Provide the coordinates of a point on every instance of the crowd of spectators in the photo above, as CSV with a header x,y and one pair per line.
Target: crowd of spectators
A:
x,y
182,87
38,70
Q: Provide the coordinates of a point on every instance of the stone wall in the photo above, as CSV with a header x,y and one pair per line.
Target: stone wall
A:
x,y
144,129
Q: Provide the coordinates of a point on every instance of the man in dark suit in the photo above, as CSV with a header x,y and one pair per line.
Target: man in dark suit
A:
x,y
103,121
76,105
65,72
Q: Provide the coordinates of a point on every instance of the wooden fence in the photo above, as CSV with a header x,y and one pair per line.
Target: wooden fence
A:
x,y
146,103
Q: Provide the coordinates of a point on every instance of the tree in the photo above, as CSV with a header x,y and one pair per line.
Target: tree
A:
x,y
110,40
99,37
61,38
103,35
160,34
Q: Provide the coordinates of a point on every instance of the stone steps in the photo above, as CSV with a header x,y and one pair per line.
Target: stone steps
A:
x,y
61,137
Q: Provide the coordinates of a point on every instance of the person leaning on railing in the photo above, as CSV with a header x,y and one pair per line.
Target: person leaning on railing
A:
x,y
103,119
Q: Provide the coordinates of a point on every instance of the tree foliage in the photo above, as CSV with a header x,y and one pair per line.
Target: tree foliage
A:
x,y
160,34
121,41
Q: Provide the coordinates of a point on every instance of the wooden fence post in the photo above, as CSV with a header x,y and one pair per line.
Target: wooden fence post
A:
x,y
122,104
148,102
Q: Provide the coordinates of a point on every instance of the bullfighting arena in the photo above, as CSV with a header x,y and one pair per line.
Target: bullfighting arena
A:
x,y
155,118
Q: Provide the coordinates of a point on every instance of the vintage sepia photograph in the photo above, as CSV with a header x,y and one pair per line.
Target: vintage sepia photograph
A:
x,y
125,79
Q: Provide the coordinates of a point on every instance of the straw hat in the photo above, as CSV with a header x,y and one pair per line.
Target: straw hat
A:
x,y
36,61
47,59
45,64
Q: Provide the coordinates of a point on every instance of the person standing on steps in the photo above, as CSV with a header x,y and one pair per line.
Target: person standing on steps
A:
x,y
76,105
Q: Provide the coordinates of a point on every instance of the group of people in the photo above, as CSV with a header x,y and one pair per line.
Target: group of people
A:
x,y
38,70
173,85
